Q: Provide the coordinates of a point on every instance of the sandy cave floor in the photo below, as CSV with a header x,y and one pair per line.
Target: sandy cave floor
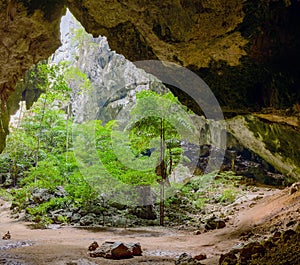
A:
x,y
264,212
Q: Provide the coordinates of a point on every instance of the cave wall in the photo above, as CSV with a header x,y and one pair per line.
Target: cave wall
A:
x,y
29,32
247,51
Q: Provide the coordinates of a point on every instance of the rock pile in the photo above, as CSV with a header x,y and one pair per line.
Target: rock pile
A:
x,y
107,214
115,250
281,248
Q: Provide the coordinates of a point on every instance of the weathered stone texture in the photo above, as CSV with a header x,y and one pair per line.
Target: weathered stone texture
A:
x,y
246,51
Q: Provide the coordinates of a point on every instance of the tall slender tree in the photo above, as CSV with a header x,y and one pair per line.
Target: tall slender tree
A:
x,y
160,117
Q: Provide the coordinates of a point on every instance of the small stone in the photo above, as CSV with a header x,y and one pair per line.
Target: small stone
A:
x,y
237,248
7,236
93,246
185,259
251,205
200,257
268,244
276,236
197,232
214,223
291,223
294,188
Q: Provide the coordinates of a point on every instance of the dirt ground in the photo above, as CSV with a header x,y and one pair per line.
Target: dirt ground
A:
x,y
260,213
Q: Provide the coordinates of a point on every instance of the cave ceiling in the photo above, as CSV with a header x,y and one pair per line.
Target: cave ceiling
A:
x,y
247,51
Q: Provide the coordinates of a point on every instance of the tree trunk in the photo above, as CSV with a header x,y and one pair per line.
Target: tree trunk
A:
x,y
40,132
162,203
163,173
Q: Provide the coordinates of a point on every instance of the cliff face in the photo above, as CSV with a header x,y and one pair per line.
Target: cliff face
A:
x,y
247,51
112,80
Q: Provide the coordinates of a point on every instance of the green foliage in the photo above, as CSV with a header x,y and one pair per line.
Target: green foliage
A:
x,y
80,192
47,175
43,208
160,121
44,130
104,167
200,203
228,195
75,75
79,36
43,154
5,195
211,188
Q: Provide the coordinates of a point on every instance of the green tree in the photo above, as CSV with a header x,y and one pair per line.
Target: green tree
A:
x,y
56,92
161,119
102,162
43,129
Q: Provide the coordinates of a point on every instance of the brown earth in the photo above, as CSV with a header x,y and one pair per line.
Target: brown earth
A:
x,y
257,216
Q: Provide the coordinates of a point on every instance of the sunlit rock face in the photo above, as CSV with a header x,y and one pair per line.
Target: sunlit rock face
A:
x,y
110,82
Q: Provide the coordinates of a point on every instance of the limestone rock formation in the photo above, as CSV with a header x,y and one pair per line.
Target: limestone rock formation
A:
x,y
112,80
277,143
247,51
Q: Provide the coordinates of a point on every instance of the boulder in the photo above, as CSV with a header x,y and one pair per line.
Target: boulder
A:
x,y
115,250
60,192
112,250
75,217
200,257
120,251
135,248
145,212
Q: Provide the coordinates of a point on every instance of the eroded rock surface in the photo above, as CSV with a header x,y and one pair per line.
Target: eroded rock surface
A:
x,y
247,52
116,250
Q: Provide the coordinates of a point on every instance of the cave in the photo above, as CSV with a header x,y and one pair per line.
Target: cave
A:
x,y
247,53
